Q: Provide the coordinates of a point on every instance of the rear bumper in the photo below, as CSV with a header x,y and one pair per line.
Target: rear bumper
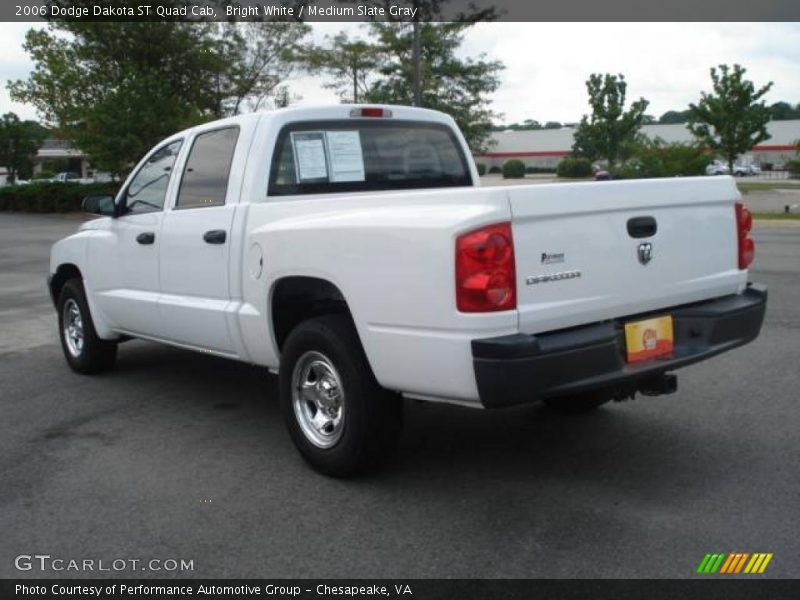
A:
x,y
519,368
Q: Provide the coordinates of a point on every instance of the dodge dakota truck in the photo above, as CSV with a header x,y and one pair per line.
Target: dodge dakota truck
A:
x,y
351,250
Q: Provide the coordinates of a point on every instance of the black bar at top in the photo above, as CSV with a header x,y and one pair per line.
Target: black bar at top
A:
x,y
398,10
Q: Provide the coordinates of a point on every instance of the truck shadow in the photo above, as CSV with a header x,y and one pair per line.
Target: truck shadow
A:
x,y
639,447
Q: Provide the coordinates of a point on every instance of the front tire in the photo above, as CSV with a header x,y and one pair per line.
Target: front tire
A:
x,y
84,351
338,417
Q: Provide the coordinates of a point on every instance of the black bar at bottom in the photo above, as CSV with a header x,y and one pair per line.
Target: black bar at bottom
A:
x,y
707,587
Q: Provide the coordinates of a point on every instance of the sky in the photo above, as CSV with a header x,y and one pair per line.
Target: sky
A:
x,y
547,64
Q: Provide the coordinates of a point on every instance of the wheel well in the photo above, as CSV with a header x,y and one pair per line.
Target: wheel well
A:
x,y
62,275
296,299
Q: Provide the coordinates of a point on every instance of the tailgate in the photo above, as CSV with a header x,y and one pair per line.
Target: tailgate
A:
x,y
577,262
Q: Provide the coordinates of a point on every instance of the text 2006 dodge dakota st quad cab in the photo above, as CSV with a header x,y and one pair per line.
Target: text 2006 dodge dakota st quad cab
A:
x,y
350,249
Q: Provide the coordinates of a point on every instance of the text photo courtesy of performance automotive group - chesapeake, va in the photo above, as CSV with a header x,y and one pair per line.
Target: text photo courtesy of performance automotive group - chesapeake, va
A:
x,y
373,298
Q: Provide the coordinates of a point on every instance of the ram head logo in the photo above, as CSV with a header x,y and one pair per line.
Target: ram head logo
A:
x,y
645,252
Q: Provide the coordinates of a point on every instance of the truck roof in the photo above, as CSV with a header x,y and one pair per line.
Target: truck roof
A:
x,y
326,112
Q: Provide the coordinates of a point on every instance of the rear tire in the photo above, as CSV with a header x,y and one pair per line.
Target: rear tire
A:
x,y
578,403
340,419
85,352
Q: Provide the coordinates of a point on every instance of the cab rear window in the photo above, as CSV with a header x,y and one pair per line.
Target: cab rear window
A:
x,y
362,155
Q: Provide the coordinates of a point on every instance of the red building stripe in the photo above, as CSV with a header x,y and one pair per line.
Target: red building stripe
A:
x,y
777,148
556,153
517,154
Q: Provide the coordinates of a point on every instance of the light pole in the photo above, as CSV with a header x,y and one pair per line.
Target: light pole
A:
x,y
416,58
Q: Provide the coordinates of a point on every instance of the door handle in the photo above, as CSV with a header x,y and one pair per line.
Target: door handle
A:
x,y
215,236
148,237
641,227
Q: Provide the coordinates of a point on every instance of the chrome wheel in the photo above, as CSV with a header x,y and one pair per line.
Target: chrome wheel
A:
x,y
318,399
73,327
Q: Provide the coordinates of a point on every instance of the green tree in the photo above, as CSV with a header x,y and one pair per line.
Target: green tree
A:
x,y
610,131
526,125
657,158
531,124
19,141
253,59
783,111
350,64
458,86
514,169
116,88
672,117
283,97
733,118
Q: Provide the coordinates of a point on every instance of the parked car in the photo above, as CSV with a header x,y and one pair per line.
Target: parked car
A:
x,y
70,177
350,250
747,170
718,168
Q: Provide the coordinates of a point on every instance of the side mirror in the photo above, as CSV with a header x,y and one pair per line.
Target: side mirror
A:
x,y
99,204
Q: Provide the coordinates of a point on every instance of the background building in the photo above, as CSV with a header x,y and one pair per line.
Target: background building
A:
x,y
61,155
546,147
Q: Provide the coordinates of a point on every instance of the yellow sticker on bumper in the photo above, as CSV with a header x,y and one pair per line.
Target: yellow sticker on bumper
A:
x,y
649,338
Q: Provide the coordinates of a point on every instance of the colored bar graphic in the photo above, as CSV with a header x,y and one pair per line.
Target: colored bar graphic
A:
x,y
741,561
765,563
717,563
703,563
727,564
711,563
734,563
757,558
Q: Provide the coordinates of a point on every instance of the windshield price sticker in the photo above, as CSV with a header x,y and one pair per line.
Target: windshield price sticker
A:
x,y
346,157
309,156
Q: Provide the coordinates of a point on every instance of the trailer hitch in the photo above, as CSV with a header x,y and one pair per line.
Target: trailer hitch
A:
x,y
657,385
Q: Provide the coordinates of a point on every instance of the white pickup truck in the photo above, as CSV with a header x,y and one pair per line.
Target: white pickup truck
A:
x,y
351,250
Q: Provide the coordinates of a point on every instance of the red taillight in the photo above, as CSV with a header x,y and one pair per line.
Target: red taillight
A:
x,y
747,248
370,111
485,273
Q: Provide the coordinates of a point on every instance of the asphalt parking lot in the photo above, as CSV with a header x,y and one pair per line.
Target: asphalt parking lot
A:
x,y
184,456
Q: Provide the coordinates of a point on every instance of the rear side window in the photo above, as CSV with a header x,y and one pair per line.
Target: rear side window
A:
x,y
362,155
205,176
